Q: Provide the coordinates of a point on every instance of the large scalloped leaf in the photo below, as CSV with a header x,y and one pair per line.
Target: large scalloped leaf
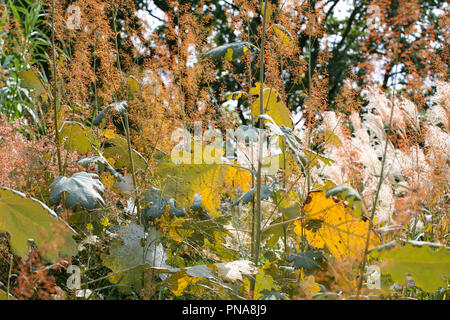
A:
x,y
306,260
82,188
117,148
262,282
135,255
210,181
77,137
26,218
329,223
426,266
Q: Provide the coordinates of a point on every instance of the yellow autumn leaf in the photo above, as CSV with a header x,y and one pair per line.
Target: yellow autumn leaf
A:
x,y
273,106
284,35
229,54
235,95
104,222
6,296
134,88
179,282
108,134
210,181
107,179
262,282
174,227
329,223
309,286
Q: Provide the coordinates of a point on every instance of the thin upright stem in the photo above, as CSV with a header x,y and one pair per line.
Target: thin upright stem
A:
x,y
115,38
55,93
133,171
260,147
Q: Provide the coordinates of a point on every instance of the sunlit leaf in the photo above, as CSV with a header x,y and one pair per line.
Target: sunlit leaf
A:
x,y
329,223
180,281
26,218
235,270
313,157
309,286
235,95
273,106
229,272
284,35
77,137
4,296
262,282
332,138
210,181
268,11
430,269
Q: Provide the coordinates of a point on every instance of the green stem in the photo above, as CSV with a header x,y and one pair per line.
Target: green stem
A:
x,y
55,93
286,251
252,236
260,149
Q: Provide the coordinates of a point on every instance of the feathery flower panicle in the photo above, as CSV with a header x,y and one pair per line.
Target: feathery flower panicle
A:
x,y
438,142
